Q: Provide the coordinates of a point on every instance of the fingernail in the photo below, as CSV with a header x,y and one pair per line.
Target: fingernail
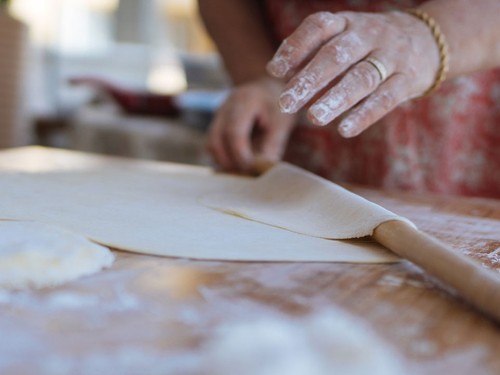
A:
x,y
287,103
346,130
277,68
279,64
318,115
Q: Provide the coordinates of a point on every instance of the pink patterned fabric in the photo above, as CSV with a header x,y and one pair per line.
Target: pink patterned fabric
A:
x,y
446,143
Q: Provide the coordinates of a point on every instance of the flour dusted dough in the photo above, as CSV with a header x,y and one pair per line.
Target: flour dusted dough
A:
x,y
37,255
292,198
154,208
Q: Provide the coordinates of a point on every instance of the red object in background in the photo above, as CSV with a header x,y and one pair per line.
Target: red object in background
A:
x,y
133,102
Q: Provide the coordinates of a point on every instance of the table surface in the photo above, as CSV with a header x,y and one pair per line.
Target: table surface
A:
x,y
166,308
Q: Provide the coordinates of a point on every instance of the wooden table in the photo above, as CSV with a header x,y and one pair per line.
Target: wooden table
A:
x,y
156,312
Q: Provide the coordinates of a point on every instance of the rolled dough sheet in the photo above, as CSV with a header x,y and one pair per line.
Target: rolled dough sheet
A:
x,y
291,198
158,212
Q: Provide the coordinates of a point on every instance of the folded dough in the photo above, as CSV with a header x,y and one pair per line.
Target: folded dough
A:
x,y
294,199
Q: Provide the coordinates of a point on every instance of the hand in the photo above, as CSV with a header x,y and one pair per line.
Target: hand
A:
x,y
323,62
249,128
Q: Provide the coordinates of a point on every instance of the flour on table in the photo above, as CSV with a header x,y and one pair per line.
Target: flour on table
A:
x,y
37,255
328,342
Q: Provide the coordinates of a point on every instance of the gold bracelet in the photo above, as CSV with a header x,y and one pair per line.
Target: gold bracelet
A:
x,y
444,57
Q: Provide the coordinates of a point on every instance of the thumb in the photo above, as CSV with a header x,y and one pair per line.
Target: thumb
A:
x,y
274,142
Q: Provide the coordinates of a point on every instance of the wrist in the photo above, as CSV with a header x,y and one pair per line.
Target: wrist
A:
x,y
441,44
426,62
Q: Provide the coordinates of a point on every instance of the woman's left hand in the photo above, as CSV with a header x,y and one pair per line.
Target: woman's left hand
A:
x,y
363,63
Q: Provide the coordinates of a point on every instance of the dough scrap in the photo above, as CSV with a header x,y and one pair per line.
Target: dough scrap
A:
x,y
291,198
35,255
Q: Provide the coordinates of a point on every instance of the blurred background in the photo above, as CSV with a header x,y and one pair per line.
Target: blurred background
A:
x,y
133,78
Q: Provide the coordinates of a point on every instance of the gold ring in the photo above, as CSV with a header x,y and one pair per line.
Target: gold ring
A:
x,y
382,71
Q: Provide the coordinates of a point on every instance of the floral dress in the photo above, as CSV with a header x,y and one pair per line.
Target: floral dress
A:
x,y
448,142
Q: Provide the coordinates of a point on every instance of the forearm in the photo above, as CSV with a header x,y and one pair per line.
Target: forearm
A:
x,y
472,30
238,28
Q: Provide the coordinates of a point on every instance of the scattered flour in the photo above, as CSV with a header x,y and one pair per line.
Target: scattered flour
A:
x,y
330,342
399,281
123,361
301,91
494,256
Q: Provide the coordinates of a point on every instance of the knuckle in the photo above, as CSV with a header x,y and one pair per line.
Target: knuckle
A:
x,y
331,51
320,21
376,25
402,81
386,100
338,52
366,76
290,46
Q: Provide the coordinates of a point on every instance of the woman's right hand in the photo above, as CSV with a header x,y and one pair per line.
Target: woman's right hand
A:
x,y
249,128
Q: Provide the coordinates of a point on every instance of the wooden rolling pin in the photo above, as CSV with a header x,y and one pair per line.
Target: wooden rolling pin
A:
x,y
475,284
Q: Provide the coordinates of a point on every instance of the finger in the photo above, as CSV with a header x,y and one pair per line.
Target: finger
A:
x,y
216,145
387,96
274,142
237,135
358,83
332,59
312,33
